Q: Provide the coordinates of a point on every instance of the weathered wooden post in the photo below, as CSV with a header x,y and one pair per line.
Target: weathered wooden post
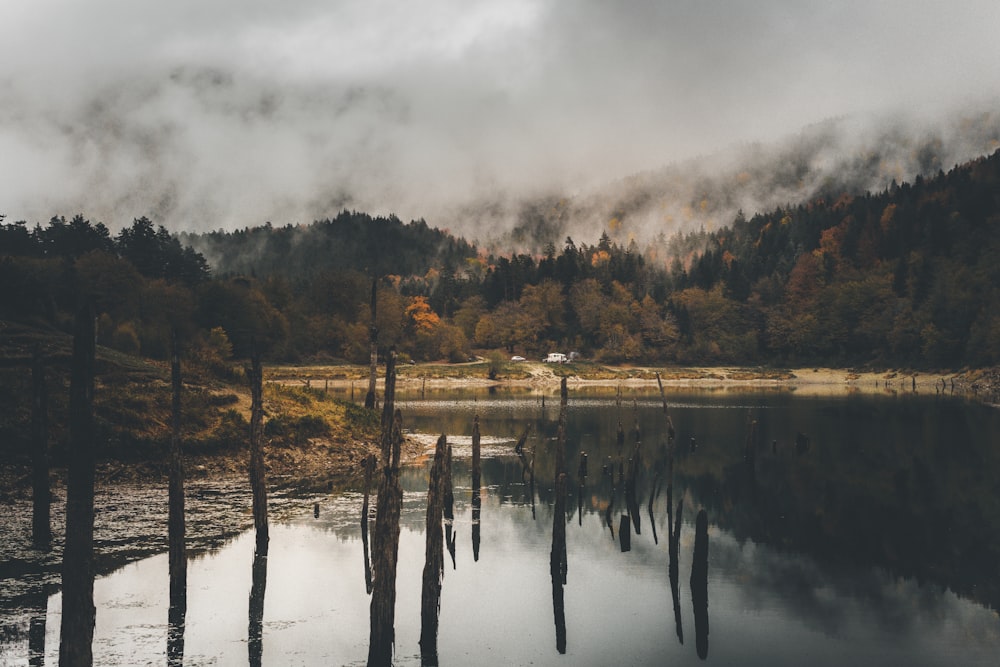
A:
x,y
581,476
175,521
558,556
430,598
620,434
476,452
78,615
531,483
41,531
257,482
373,341
476,490
386,537
558,564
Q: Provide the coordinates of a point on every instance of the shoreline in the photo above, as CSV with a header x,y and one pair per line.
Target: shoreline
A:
x,y
541,378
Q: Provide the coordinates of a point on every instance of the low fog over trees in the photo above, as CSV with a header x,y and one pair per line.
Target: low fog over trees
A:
x,y
906,276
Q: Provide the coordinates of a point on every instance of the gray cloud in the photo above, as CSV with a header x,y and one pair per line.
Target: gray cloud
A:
x,y
225,114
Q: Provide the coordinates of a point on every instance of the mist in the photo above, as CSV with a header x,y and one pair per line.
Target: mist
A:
x,y
500,121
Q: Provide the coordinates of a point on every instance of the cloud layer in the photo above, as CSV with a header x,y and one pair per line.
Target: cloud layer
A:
x,y
226,114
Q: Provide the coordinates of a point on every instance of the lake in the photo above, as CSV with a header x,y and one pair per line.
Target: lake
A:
x,y
858,529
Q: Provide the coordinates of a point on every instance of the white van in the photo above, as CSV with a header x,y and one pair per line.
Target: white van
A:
x,y
555,358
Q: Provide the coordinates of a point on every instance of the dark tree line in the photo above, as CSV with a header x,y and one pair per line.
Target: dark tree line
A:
x,y
906,276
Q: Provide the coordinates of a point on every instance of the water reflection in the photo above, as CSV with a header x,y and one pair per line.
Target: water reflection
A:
x,y
674,564
815,555
255,631
38,606
699,584
176,614
370,464
448,511
476,488
430,603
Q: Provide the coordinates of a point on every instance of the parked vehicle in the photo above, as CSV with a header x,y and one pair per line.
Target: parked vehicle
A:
x,y
555,358
517,358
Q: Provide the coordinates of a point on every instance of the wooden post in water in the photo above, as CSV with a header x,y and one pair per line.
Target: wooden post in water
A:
x,y
430,598
476,490
531,483
373,341
175,521
257,482
558,556
558,565
41,531
78,613
476,452
386,537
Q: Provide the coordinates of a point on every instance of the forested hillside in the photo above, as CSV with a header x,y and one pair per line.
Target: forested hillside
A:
x,y
351,240
909,276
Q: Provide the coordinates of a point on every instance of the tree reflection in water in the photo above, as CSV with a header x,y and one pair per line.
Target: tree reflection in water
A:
x,y
255,631
36,627
699,584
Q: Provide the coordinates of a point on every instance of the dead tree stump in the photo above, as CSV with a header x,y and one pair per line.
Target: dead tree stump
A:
x,y
41,531
175,520
78,615
386,536
373,359
257,482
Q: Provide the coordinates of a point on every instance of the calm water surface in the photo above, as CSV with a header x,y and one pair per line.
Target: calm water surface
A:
x,y
874,541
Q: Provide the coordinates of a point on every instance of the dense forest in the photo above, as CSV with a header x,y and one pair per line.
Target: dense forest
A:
x,y
909,276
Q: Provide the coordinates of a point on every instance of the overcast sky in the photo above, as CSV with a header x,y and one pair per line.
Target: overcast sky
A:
x,y
223,113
